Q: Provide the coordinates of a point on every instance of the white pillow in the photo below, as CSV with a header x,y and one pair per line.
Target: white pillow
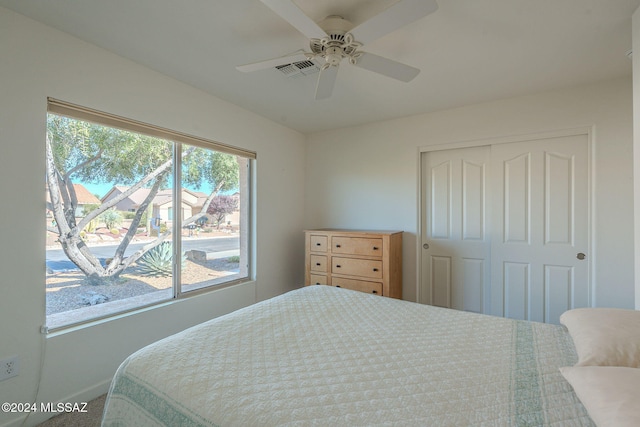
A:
x,y
610,394
604,336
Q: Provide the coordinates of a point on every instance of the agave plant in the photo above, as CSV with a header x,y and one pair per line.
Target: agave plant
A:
x,y
158,261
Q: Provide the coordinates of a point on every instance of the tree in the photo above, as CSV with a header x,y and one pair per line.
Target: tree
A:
x,y
220,207
91,153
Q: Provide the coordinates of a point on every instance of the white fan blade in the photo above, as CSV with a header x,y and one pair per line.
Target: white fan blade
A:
x,y
326,81
387,67
296,17
270,63
397,15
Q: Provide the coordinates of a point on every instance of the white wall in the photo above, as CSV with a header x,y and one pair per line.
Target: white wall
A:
x,y
38,61
367,176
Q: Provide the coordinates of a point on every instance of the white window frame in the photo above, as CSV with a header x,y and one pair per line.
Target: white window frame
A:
x,y
78,112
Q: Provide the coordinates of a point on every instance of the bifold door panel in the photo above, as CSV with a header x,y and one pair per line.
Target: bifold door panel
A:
x,y
505,228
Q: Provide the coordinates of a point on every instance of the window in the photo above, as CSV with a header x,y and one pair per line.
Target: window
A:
x,y
137,214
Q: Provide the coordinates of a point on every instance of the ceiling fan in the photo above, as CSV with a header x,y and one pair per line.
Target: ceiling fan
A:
x,y
335,39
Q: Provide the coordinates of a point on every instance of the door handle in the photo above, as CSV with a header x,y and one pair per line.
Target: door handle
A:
x,y
425,246
581,256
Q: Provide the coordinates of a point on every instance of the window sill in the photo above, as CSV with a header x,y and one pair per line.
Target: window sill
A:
x,y
89,316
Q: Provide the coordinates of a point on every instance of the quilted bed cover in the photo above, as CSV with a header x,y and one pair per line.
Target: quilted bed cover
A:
x,y
333,357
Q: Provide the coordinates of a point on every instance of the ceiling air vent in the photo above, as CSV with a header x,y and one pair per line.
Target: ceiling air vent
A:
x,y
299,69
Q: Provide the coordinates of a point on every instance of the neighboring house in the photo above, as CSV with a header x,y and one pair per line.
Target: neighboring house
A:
x,y
192,202
85,198
129,204
162,205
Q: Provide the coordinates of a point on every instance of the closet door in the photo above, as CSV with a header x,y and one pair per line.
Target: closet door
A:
x,y
540,228
505,228
456,245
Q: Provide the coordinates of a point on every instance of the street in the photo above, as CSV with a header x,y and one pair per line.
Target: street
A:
x,y
57,260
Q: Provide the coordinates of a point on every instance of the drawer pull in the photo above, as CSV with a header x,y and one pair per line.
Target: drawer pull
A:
x,y
337,286
375,248
317,283
374,292
318,264
318,244
375,269
338,266
338,246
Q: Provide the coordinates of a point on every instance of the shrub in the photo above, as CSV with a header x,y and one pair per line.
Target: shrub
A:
x,y
158,260
112,218
128,215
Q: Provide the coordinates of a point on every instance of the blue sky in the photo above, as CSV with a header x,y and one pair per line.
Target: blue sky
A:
x,y
98,189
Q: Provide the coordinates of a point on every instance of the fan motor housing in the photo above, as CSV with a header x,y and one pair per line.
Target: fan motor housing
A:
x,y
335,24
334,47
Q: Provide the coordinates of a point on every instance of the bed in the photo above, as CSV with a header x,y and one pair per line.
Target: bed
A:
x,y
326,356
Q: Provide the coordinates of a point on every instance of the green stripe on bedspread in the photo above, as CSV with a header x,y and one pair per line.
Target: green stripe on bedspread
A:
x,y
160,409
526,383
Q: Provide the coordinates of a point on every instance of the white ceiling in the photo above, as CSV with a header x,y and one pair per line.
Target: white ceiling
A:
x,y
469,51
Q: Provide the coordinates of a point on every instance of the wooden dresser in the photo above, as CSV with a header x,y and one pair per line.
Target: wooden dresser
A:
x,y
366,261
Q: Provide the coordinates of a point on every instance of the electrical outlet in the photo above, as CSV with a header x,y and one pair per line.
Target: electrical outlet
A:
x,y
9,367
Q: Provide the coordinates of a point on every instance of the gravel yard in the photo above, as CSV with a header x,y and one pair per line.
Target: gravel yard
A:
x,y
69,291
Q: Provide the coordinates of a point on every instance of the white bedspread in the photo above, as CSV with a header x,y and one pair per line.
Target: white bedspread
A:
x,y
333,357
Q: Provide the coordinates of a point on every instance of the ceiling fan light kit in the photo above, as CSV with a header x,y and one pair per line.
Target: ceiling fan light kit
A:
x,y
337,45
335,38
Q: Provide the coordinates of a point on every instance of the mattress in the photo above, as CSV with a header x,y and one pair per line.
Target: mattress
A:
x,y
327,356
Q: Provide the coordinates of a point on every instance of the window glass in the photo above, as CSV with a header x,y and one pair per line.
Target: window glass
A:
x,y
114,227
214,206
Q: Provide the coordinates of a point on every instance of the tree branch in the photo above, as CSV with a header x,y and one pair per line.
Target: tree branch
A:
x,y
54,191
205,206
81,165
137,254
112,202
119,254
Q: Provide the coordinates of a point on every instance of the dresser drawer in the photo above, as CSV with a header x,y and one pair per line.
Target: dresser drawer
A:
x,y
318,263
317,279
356,246
356,267
357,285
318,243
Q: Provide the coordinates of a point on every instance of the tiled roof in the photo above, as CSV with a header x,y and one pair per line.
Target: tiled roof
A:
x,y
139,195
162,197
83,195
